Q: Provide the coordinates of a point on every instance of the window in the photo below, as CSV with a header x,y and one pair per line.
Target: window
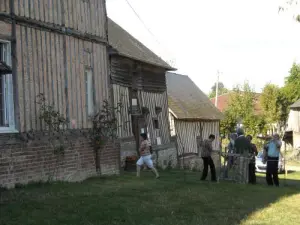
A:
x,y
7,123
89,92
155,123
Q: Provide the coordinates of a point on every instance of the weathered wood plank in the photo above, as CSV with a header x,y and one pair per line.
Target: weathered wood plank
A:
x,y
37,71
20,69
26,81
69,75
82,86
31,84
73,80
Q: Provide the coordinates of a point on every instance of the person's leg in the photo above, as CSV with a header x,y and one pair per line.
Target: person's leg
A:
x,y
205,168
212,169
149,163
275,173
252,177
139,164
269,173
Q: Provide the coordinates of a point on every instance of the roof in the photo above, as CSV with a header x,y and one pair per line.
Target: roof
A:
x,y
126,45
224,100
187,101
296,105
4,68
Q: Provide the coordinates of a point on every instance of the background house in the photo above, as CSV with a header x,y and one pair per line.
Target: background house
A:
x,y
292,132
139,82
59,50
224,101
192,115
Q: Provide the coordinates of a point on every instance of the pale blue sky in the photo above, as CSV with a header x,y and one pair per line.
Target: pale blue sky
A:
x,y
244,39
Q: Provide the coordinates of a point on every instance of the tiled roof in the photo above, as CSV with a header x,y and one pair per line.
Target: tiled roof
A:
x,y
126,45
224,100
187,101
296,105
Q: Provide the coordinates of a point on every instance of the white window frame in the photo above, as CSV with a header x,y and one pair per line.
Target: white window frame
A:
x,y
8,93
89,85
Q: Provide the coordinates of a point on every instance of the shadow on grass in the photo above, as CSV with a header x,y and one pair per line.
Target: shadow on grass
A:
x,y
128,200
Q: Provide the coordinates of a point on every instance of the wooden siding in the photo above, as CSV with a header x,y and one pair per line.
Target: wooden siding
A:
x,y
187,133
121,95
129,73
54,65
86,16
4,6
152,100
146,99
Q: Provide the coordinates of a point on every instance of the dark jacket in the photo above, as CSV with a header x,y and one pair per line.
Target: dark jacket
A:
x,y
242,145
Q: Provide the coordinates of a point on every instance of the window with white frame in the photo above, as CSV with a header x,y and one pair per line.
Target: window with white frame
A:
x,y
89,92
7,122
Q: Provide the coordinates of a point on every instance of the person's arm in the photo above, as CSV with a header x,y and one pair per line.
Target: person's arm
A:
x,y
279,148
255,150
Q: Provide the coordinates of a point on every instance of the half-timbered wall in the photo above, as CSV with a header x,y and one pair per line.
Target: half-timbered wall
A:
x,y
54,64
86,16
146,99
152,100
129,73
187,133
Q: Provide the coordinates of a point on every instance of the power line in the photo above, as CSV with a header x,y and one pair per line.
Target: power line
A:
x,y
145,26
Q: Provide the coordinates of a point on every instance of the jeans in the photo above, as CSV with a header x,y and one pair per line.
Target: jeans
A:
x,y
207,161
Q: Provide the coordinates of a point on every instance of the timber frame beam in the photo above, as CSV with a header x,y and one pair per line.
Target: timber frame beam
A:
x,y
60,29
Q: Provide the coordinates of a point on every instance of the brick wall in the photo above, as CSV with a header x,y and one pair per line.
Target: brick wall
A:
x,y
22,162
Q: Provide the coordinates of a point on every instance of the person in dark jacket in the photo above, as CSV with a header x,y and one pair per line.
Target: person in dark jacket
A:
x,y
242,144
243,148
253,153
207,160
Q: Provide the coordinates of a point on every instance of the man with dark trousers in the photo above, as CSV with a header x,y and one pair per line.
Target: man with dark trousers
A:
x,y
272,151
253,153
207,160
243,148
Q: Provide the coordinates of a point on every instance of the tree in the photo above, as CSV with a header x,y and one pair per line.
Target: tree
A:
x,y
241,110
291,88
270,104
288,5
222,90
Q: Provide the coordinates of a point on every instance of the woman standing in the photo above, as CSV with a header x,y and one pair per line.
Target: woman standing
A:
x,y
145,156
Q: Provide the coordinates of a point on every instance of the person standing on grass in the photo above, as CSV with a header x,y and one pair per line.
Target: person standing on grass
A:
x,y
272,151
207,160
230,150
253,153
145,152
242,147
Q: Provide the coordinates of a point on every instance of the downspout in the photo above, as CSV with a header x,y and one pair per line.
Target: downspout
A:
x,y
14,64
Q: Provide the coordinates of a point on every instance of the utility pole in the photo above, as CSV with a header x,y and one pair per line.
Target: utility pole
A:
x,y
217,89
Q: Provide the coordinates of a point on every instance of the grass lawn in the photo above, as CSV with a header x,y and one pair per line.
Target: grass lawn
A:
x,y
127,200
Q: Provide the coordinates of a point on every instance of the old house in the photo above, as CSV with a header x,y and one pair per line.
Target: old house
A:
x,y
292,132
58,48
192,115
139,82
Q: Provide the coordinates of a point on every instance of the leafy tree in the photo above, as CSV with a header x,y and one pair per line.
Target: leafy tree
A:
x,y
291,89
222,90
290,4
270,104
241,109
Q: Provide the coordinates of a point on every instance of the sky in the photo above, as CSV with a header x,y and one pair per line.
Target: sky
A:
x,y
246,40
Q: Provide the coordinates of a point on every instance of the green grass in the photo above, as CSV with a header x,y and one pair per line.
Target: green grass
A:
x,y
127,200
